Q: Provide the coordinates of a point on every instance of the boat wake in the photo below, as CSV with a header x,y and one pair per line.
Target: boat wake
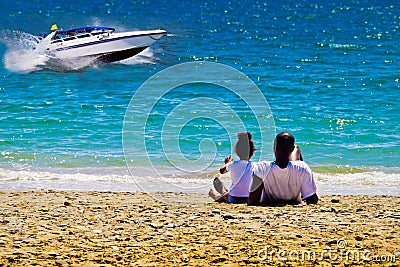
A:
x,y
20,55
24,55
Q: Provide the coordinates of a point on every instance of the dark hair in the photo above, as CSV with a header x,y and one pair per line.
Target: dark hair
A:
x,y
284,141
245,146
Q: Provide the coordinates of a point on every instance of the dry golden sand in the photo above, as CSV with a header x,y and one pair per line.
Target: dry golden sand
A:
x,y
110,229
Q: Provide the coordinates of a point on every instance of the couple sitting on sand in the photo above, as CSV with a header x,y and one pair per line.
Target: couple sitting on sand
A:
x,y
287,180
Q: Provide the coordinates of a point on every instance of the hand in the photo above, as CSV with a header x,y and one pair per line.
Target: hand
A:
x,y
228,159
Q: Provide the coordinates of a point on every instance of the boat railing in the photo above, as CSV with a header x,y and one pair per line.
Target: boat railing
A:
x,y
60,39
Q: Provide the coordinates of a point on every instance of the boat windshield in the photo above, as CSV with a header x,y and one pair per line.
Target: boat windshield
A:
x,y
60,34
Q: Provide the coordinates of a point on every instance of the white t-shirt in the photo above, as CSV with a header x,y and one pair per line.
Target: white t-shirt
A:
x,y
292,183
241,175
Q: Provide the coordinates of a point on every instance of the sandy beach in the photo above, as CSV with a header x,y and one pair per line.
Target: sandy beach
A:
x,y
58,228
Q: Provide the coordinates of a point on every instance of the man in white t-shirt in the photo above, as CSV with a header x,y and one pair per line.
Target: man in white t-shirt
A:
x,y
287,180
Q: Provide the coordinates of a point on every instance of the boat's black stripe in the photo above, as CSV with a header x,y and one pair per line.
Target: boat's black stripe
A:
x,y
103,41
119,55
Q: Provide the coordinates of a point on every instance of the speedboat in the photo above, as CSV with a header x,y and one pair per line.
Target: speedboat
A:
x,y
101,43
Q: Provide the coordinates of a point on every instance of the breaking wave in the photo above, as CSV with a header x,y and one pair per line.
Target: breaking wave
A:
x,y
119,179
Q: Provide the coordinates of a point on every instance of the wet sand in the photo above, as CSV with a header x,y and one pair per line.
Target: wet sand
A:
x,y
58,228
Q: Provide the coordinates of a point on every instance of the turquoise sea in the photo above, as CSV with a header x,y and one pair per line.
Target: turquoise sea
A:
x,y
329,71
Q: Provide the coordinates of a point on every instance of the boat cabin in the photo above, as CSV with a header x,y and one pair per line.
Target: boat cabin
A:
x,y
78,33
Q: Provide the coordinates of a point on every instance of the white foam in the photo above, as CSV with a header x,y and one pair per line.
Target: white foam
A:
x,y
102,175
373,178
70,65
100,179
77,175
145,57
119,179
23,61
21,55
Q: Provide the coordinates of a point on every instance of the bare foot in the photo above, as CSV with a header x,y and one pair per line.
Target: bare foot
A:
x,y
218,197
214,195
219,186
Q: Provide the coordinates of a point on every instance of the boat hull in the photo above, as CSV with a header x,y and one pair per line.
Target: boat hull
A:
x,y
105,48
118,55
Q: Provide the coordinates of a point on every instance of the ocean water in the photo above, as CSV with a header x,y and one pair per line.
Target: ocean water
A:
x,y
329,72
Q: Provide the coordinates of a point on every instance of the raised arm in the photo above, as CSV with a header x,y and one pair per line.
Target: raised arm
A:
x,y
256,189
227,160
296,154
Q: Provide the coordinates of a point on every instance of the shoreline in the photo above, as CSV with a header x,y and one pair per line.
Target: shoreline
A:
x,y
121,180
323,189
75,228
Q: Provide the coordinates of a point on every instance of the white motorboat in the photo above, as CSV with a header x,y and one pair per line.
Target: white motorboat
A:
x,y
101,43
